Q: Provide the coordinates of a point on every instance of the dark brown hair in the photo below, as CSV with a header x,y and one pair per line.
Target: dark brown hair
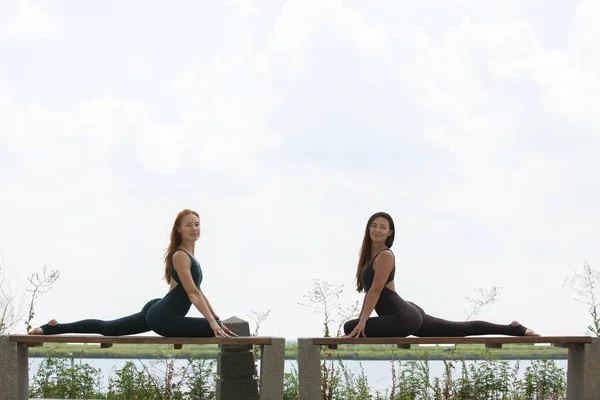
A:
x,y
365,251
175,241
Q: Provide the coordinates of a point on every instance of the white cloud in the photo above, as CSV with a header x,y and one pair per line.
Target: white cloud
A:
x,y
293,28
571,85
140,68
570,88
301,23
286,147
490,175
587,33
31,19
245,6
370,37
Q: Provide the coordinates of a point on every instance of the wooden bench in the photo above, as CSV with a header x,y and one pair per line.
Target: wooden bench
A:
x,y
14,354
583,370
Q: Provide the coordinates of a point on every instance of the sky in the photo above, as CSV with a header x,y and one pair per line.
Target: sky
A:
x,y
286,125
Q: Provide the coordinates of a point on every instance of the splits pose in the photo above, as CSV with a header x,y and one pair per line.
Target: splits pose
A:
x,y
166,316
396,316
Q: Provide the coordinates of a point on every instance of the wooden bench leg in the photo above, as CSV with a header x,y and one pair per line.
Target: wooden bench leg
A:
x,y
14,370
583,372
309,369
271,370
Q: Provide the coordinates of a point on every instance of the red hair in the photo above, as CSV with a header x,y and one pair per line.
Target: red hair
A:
x,y
175,241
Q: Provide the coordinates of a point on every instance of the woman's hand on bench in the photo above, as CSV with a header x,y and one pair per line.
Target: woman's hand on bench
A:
x,y
221,330
358,331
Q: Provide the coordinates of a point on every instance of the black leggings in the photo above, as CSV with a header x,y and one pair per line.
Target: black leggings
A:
x,y
165,317
400,318
130,325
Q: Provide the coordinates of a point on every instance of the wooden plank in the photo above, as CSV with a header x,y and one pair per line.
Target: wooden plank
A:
x,y
556,340
250,340
493,345
400,346
568,345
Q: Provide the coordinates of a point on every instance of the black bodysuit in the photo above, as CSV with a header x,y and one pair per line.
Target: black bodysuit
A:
x,y
400,318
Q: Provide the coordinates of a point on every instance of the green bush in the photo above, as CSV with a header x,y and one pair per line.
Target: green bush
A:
x,y
59,378
487,379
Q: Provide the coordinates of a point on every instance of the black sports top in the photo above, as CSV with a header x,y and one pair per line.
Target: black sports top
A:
x,y
195,270
368,273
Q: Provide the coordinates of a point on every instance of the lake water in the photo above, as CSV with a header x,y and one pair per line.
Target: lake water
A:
x,y
378,372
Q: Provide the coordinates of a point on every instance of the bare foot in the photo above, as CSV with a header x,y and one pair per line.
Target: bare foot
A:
x,y
528,332
39,331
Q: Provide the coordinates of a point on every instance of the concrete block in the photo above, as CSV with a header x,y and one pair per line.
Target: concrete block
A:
x,y
309,369
235,365
8,368
238,326
14,370
237,389
583,372
271,370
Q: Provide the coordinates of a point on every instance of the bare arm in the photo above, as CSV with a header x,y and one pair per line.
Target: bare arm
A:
x,y
182,264
214,314
363,305
382,266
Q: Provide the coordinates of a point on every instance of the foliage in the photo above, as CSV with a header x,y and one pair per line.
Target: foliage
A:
x,y
585,283
59,378
11,310
64,378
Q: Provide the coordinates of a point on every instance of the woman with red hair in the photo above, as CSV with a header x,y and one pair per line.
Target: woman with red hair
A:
x,y
166,316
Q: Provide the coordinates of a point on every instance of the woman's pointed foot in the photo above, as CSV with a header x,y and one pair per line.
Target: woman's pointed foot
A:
x,y
528,332
39,330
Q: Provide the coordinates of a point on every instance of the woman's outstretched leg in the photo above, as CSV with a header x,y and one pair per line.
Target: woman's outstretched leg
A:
x,y
437,327
129,325
387,325
181,326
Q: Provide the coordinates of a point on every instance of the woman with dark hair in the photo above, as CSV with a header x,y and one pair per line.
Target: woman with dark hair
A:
x,y
397,317
164,316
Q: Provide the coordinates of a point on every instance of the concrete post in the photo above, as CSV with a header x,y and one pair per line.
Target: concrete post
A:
x,y
583,372
14,370
309,370
271,370
235,366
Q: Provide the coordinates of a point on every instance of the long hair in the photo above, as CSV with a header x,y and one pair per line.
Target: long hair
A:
x,y
365,250
175,241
